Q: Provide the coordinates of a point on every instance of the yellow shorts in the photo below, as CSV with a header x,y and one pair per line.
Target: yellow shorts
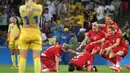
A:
x,y
30,38
14,44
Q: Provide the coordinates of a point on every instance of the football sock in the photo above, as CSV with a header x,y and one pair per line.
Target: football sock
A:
x,y
37,65
22,64
92,57
13,60
118,60
18,58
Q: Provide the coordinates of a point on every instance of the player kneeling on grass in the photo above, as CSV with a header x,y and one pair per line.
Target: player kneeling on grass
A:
x,y
114,48
50,57
82,63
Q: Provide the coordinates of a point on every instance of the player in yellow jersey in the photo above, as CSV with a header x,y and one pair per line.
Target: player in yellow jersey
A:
x,y
30,37
13,35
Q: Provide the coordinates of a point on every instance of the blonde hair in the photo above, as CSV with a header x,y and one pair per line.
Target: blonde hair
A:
x,y
95,24
29,7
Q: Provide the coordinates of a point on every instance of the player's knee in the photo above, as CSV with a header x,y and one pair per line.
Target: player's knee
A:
x,y
12,52
111,56
71,67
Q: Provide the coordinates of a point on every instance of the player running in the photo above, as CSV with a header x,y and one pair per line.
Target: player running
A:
x,y
13,35
82,63
50,57
94,35
115,46
30,37
109,22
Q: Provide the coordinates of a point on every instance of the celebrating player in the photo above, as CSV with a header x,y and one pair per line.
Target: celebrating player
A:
x,y
109,22
13,35
95,35
50,57
30,37
115,47
82,63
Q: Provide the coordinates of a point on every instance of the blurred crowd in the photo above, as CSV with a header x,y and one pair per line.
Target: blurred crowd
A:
x,y
63,21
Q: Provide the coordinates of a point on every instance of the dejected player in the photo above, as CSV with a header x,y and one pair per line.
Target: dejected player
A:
x,y
30,37
81,63
50,57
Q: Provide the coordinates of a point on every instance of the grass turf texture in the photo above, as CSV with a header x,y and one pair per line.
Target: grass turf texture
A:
x,y
63,69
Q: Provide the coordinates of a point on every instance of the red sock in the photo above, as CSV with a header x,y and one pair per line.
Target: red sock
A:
x,y
112,60
118,59
92,57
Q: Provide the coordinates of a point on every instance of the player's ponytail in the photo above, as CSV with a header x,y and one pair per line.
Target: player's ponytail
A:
x,y
28,4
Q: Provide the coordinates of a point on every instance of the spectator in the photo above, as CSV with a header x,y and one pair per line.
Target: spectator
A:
x,y
109,9
51,5
48,16
81,35
2,39
65,38
100,13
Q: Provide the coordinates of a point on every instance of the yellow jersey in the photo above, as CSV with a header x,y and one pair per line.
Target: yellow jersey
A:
x,y
35,14
13,31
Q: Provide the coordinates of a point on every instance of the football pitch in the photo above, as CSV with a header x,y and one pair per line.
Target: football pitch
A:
x,y
63,69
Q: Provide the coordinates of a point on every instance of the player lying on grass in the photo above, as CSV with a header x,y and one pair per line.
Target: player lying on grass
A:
x,y
94,35
82,63
114,48
50,57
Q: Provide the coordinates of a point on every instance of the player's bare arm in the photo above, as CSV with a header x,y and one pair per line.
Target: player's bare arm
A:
x,y
83,43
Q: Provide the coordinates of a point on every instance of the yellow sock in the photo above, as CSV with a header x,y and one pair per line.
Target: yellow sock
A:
x,y
22,64
13,60
37,65
18,58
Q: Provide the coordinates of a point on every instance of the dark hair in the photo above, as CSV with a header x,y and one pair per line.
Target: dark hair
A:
x,y
46,9
112,28
111,16
71,67
17,23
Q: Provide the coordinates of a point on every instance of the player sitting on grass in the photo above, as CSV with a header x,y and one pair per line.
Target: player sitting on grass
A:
x,y
50,57
82,63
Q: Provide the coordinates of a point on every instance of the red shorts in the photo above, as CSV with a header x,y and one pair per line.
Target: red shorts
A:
x,y
120,48
48,62
91,47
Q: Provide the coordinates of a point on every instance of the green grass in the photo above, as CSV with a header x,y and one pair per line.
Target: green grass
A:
x,y
63,69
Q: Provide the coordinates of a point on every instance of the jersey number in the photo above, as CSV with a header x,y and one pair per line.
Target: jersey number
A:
x,y
27,20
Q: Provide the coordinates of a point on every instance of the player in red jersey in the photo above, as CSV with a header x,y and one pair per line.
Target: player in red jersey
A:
x,y
94,35
81,63
109,22
115,46
50,57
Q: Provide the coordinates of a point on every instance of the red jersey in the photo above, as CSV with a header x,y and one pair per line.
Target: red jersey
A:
x,y
52,51
107,26
81,59
112,39
96,36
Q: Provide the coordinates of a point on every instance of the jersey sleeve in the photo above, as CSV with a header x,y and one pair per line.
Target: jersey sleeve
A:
x,y
89,33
